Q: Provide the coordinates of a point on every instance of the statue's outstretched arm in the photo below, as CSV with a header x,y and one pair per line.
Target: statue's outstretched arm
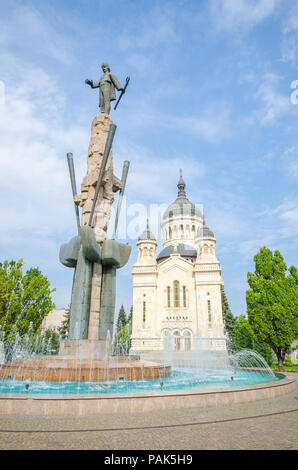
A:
x,y
92,84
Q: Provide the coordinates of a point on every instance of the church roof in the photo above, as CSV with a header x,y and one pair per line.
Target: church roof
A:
x,y
183,250
147,234
181,206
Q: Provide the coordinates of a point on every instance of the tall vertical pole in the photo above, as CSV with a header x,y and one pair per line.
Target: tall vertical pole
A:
x,y
123,181
73,186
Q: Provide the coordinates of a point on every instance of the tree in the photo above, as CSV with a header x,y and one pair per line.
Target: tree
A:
x,y
272,302
229,320
25,299
121,320
63,330
123,333
242,335
244,339
129,318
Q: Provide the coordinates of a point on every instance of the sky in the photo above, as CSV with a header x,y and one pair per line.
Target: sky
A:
x,y
213,90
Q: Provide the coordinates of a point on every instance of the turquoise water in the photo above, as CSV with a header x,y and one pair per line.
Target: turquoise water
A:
x,y
181,379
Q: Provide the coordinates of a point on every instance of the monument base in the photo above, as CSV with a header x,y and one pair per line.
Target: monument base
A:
x,y
84,349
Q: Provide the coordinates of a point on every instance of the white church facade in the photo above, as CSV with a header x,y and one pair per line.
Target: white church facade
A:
x,y
177,292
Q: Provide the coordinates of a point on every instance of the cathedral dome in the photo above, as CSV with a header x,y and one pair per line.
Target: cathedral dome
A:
x,y
182,206
186,251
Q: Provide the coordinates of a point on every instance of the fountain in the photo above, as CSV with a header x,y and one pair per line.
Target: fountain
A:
x,y
39,383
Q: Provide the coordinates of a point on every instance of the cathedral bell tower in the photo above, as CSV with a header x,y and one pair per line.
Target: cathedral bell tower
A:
x,y
208,284
146,248
144,274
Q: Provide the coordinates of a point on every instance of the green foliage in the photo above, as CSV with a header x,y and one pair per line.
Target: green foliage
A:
x,y
25,300
44,342
129,318
63,330
244,339
272,302
124,330
229,320
121,321
242,334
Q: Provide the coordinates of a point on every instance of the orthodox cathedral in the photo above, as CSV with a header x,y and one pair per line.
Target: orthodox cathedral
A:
x,y
177,292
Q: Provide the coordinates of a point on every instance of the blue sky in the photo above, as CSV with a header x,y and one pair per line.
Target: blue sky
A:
x,y
210,93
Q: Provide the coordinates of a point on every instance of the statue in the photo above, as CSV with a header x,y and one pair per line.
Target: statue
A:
x,y
107,84
95,262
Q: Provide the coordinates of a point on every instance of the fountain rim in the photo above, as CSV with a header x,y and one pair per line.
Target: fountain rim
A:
x,y
96,404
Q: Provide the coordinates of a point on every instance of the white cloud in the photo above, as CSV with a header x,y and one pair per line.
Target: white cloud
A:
x,y
34,179
274,104
289,45
275,227
240,14
289,161
291,23
154,29
154,177
213,124
25,26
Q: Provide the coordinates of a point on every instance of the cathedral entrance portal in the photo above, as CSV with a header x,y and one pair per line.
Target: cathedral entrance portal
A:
x,y
176,340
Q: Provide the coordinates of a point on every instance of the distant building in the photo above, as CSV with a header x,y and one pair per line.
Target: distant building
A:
x,y
177,294
53,320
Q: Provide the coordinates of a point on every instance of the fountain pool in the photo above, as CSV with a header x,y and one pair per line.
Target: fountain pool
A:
x,y
180,379
130,387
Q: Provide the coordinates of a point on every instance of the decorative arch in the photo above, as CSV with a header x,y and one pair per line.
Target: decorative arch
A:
x,y
177,343
187,338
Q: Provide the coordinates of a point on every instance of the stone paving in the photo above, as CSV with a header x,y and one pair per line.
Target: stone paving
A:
x,y
264,425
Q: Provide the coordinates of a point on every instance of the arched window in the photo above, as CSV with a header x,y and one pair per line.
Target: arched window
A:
x,y
184,296
170,233
145,252
176,294
168,296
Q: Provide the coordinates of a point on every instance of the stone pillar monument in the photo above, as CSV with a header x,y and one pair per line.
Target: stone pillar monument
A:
x,y
94,258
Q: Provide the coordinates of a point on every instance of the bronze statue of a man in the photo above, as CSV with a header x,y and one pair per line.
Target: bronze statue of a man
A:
x,y
107,84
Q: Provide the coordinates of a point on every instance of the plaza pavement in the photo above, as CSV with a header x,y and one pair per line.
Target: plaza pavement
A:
x,y
264,425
